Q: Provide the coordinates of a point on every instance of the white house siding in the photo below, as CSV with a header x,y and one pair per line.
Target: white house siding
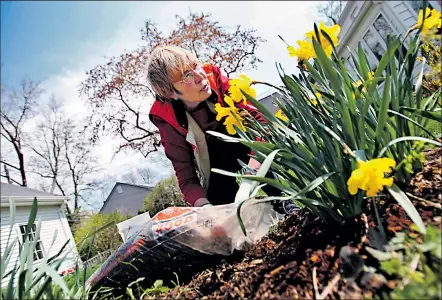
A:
x,y
405,14
53,219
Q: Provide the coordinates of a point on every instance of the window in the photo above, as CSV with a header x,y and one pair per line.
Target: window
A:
x,y
383,28
351,68
38,251
373,44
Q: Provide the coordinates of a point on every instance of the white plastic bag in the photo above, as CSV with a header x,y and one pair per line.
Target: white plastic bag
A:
x,y
183,235
216,229
130,226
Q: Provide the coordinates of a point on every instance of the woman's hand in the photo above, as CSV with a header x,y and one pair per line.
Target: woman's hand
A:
x,y
253,164
201,202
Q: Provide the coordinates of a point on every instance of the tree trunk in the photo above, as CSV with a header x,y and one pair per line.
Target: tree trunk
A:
x,y
8,177
22,168
51,191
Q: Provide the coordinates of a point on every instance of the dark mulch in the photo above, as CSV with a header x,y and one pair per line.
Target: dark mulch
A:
x,y
282,264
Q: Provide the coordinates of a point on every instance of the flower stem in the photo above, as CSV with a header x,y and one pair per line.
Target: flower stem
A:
x,y
349,151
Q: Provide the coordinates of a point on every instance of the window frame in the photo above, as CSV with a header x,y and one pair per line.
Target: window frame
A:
x,y
370,55
36,252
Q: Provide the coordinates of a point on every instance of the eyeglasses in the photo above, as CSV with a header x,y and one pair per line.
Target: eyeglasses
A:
x,y
189,76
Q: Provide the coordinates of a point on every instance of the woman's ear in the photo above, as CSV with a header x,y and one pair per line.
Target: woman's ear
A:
x,y
173,95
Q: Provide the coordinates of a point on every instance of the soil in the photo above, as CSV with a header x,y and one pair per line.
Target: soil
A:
x,y
305,252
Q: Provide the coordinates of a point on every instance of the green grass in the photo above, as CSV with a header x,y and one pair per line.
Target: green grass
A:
x,y
434,127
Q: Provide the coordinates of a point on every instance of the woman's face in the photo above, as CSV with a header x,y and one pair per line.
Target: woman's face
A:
x,y
192,84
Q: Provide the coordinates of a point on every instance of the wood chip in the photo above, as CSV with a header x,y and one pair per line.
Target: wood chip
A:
x,y
315,283
330,286
256,262
276,271
314,258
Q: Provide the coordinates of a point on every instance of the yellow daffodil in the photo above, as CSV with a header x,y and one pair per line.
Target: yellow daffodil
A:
x,y
232,115
280,115
291,50
332,31
305,51
328,50
359,82
370,176
241,83
315,100
432,21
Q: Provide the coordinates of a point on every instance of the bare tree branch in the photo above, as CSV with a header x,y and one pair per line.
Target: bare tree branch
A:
x,y
17,107
9,178
9,165
331,10
117,92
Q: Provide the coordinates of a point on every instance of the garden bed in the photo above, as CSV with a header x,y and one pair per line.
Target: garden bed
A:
x,y
302,257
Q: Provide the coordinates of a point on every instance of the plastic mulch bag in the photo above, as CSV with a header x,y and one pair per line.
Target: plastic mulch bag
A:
x,y
182,238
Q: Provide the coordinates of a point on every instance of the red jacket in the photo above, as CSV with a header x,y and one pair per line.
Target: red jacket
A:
x,y
164,116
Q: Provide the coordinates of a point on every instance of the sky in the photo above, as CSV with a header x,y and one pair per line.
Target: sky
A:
x,y
56,42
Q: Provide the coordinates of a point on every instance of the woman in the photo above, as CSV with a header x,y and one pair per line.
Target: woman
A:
x,y
186,93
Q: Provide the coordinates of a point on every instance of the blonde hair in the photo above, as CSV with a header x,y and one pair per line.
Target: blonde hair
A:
x,y
163,63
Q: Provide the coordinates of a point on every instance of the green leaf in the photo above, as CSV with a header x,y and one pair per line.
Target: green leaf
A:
x,y
432,100
418,85
21,284
433,115
272,182
408,206
407,138
411,121
326,64
10,288
383,236
331,132
363,62
245,189
130,293
56,278
12,216
244,194
31,219
263,169
387,57
383,112
315,183
261,108
238,216
379,255
224,137
393,266
7,254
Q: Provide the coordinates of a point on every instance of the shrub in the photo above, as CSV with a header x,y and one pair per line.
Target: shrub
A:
x,y
71,279
108,238
165,194
335,141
